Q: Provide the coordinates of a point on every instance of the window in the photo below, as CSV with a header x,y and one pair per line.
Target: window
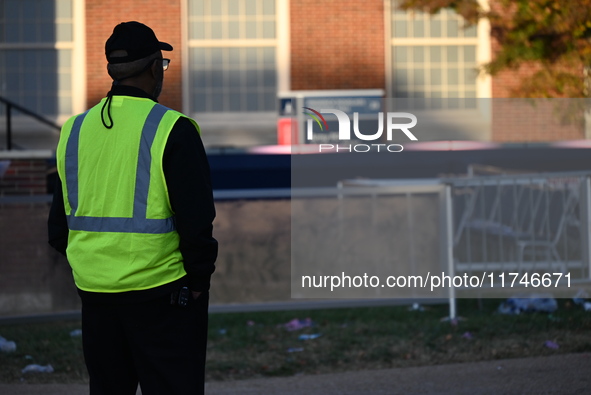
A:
x,y
434,57
36,55
232,55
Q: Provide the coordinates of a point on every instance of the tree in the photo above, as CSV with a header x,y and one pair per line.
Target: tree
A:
x,y
553,36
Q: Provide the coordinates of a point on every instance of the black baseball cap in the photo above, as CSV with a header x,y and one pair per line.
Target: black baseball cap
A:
x,y
137,39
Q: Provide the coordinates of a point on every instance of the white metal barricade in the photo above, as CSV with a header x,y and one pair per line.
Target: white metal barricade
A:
x,y
500,226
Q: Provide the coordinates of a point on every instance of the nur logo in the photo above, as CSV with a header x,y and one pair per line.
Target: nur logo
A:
x,y
344,132
315,116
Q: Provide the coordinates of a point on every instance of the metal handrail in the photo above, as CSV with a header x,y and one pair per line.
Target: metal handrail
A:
x,y
9,106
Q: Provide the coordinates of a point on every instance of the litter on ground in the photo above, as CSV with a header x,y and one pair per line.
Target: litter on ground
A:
x,y
297,324
534,303
416,307
551,344
310,337
467,335
37,369
7,345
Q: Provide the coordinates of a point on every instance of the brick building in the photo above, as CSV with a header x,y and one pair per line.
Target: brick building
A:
x,y
232,57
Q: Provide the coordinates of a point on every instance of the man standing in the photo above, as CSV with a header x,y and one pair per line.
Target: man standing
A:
x,y
133,212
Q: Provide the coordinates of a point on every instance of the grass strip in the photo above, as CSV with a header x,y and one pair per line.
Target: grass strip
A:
x,y
257,344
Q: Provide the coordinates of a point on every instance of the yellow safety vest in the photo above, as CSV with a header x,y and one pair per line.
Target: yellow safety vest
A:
x,y
122,231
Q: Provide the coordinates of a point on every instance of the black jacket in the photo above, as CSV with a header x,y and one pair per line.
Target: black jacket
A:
x,y
187,174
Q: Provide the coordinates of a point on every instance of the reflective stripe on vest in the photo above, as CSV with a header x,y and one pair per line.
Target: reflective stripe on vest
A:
x,y
139,223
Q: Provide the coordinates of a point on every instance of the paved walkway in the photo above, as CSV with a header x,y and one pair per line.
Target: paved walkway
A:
x,y
559,374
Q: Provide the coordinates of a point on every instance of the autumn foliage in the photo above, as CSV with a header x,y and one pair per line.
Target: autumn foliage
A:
x,y
553,36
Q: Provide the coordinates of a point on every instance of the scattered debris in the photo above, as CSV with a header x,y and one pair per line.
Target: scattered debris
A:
x,y
580,297
551,344
37,369
297,324
416,307
309,337
453,321
544,303
6,345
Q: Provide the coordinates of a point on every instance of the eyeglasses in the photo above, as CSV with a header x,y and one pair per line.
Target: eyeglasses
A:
x,y
165,63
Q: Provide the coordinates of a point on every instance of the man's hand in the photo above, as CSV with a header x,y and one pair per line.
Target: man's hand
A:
x,y
195,294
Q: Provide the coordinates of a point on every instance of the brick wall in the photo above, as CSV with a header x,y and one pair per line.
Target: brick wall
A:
x,y
163,16
506,82
540,120
337,44
516,120
520,121
24,177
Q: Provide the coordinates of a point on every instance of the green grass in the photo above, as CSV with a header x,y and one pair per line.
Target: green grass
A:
x,y
351,339
47,343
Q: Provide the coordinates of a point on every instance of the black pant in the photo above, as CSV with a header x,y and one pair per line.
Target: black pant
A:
x,y
159,345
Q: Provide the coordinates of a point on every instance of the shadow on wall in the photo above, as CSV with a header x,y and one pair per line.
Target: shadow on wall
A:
x,y
253,263
254,251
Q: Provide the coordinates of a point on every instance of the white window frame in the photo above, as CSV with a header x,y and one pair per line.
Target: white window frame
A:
x,y
482,42
79,89
78,65
472,124
282,65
